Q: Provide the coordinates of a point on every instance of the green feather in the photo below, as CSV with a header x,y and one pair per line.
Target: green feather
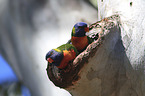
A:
x,y
57,50
73,31
67,47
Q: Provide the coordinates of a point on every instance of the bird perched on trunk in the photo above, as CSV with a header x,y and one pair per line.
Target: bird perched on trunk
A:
x,y
78,36
61,56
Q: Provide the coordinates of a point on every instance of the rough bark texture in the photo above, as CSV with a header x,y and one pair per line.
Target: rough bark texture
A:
x,y
117,66
102,65
132,16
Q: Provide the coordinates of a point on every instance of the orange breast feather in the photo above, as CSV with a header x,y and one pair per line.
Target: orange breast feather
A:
x,y
69,55
80,42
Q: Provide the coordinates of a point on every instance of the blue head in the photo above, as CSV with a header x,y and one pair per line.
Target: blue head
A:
x,y
54,57
80,29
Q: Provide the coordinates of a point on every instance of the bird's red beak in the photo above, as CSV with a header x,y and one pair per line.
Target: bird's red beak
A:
x,y
87,29
50,60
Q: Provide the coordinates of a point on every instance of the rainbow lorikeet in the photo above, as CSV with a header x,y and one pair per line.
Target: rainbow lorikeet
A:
x,y
61,56
78,36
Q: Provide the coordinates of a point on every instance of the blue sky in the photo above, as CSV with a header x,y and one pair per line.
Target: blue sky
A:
x,y
7,75
6,72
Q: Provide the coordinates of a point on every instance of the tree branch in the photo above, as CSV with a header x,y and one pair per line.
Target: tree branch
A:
x,y
97,69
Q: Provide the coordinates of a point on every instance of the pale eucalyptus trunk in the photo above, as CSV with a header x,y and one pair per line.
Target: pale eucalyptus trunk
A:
x,y
114,64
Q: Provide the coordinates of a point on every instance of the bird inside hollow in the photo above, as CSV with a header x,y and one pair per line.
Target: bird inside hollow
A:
x,y
61,56
78,36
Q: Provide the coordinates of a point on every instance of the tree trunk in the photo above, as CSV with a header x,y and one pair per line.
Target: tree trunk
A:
x,y
113,65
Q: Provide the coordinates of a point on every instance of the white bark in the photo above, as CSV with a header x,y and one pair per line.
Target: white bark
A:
x,y
132,19
117,67
104,72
